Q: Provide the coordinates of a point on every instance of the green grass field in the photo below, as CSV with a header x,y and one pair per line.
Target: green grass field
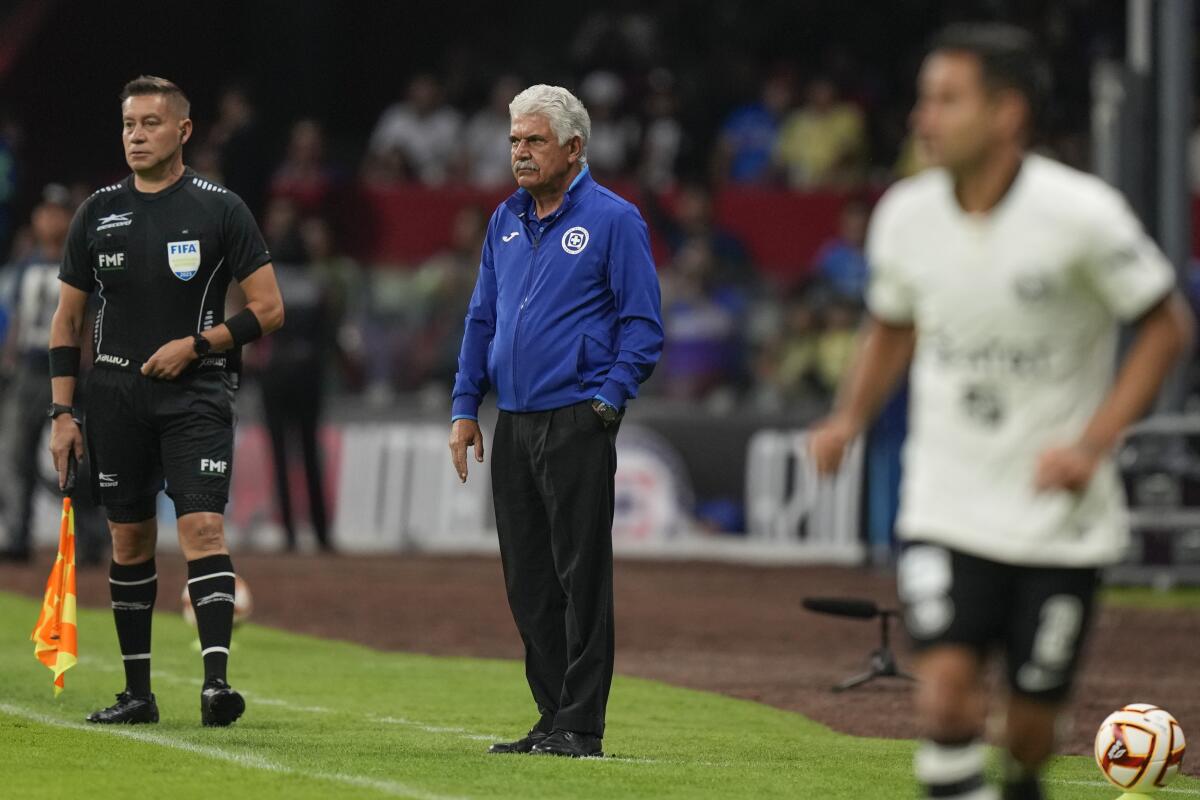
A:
x,y
332,720
1145,597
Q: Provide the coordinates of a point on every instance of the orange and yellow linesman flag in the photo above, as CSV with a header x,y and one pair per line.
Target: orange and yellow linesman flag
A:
x,y
54,636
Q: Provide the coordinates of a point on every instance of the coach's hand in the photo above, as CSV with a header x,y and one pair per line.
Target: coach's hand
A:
x,y
465,433
1067,468
827,442
170,359
64,438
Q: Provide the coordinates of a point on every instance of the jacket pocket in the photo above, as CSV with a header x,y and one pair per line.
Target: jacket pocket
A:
x,y
594,360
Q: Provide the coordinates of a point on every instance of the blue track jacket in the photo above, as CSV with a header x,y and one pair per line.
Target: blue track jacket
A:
x,y
565,309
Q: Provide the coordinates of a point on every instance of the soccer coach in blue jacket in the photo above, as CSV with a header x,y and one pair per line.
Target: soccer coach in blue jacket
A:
x,y
565,323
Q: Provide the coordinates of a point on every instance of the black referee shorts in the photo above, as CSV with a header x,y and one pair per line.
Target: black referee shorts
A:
x,y
1039,616
143,431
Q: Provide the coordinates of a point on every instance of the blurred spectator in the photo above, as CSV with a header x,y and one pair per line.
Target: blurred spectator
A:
x,y
612,36
702,322
841,261
206,161
281,230
242,148
747,138
34,280
835,348
292,381
910,161
786,368
10,142
808,356
80,191
1194,157
663,139
338,273
345,290
386,332
823,143
615,135
445,283
694,221
488,152
417,139
305,177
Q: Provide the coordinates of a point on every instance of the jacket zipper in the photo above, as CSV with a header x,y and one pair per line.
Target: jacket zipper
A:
x,y
537,238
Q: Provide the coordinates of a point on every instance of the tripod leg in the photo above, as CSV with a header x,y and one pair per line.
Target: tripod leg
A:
x,y
857,680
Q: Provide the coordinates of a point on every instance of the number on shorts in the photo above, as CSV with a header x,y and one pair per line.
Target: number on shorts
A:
x,y
1058,630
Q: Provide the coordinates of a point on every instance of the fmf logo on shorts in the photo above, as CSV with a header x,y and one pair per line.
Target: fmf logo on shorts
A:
x,y
211,467
110,261
184,259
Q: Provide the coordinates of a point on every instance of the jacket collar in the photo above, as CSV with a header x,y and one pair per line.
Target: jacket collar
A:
x,y
521,204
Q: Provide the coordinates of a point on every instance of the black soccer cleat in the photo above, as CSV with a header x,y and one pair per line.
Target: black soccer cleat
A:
x,y
220,705
128,710
569,743
524,745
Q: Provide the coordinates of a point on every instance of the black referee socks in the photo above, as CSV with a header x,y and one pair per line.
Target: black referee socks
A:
x,y
133,588
211,587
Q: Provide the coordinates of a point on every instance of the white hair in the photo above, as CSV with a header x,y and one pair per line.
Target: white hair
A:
x,y
566,114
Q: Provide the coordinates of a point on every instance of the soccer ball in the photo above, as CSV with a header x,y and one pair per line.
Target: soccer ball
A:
x,y
1139,748
1177,744
243,603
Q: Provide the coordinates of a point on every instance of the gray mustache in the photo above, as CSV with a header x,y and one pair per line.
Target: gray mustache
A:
x,y
525,165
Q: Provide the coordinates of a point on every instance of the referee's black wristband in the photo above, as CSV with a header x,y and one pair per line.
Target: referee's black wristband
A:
x,y
64,362
243,327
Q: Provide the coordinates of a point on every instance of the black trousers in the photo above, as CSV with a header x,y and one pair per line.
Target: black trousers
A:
x,y
292,404
552,482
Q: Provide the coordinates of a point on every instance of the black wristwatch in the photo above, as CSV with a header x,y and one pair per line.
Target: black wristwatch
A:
x,y
201,345
57,408
607,412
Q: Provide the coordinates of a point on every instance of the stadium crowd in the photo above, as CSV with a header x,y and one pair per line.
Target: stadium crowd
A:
x,y
682,116
738,336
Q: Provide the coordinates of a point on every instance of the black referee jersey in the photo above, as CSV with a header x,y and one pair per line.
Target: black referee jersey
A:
x,y
161,264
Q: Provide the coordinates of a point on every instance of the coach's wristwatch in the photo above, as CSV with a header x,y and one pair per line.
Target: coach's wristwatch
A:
x,y
201,345
58,408
607,412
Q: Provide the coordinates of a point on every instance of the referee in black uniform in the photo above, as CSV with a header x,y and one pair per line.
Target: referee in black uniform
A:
x,y
160,248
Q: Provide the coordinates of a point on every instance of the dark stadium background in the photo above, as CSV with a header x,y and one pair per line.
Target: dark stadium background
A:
x,y
343,62
63,63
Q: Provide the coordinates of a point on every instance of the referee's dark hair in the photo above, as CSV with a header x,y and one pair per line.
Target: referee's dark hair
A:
x,y
1009,59
152,84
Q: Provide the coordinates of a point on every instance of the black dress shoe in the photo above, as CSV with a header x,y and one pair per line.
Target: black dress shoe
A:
x,y
569,743
524,745
128,710
220,705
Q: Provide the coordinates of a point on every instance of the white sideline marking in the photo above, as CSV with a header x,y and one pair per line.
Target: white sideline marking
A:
x,y
475,736
241,759
1107,785
462,733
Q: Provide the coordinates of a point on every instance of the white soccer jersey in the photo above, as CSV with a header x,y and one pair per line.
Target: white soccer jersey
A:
x,y
1016,313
